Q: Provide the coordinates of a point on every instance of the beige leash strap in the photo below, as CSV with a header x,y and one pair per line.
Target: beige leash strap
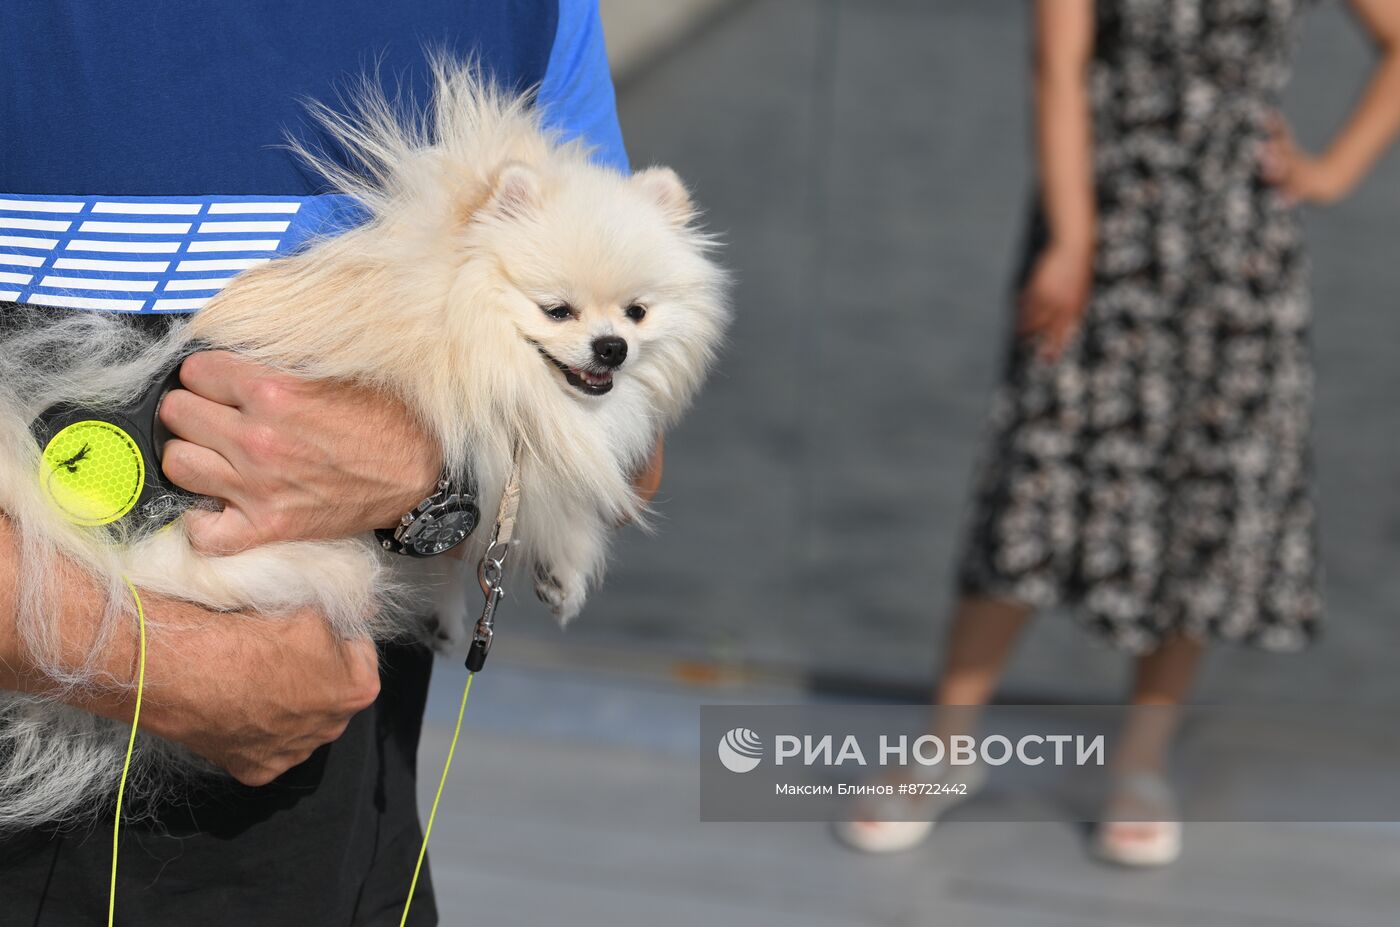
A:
x,y
510,506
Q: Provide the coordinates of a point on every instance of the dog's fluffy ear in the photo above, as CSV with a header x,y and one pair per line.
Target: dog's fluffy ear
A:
x,y
666,189
516,191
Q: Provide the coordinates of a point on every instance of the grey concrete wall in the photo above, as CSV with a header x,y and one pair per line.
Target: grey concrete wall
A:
x,y
641,31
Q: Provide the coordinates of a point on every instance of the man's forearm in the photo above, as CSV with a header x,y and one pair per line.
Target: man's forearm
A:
x,y
254,697
11,653
78,611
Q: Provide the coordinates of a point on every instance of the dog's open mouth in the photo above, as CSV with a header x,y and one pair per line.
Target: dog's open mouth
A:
x,y
588,382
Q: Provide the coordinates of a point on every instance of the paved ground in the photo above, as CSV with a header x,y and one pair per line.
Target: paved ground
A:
x,y
866,163
574,800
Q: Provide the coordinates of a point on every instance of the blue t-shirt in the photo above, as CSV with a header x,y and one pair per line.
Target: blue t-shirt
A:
x,y
194,97
145,164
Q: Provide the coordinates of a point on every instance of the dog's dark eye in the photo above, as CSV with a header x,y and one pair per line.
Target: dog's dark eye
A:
x,y
636,313
560,313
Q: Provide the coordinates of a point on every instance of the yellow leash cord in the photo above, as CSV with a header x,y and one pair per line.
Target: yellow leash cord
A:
x,y
130,749
489,573
442,783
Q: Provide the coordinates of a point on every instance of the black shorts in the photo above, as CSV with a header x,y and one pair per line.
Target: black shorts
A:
x,y
330,844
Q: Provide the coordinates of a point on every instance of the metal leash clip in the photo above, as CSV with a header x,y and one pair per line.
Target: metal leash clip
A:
x,y
491,571
490,574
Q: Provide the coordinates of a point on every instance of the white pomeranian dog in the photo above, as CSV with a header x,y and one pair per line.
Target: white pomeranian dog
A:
x,y
526,304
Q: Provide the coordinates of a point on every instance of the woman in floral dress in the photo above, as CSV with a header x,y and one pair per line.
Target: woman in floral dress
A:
x,y
1148,464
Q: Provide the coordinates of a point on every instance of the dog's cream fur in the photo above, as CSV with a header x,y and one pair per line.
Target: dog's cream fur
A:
x,y
480,222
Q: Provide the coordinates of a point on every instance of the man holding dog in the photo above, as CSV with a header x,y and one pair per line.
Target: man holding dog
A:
x,y
159,98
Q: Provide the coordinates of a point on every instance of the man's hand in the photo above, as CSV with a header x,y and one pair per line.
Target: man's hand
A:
x,y
253,696
291,459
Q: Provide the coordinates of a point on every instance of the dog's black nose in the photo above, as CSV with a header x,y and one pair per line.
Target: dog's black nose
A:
x,y
610,351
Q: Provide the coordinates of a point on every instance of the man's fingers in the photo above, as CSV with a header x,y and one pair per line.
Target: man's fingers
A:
x,y
256,775
362,656
225,532
201,421
254,778
199,470
218,376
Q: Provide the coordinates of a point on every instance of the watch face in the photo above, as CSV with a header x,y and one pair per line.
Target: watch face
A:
x,y
442,528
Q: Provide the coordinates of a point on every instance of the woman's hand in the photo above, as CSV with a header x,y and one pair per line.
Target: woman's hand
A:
x,y
1299,177
1370,130
1056,296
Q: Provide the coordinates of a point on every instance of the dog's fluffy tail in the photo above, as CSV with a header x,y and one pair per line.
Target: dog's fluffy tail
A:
x,y
77,358
59,765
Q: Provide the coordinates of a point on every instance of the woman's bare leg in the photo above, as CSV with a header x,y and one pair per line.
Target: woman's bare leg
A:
x,y
1140,798
980,642
983,634
1162,682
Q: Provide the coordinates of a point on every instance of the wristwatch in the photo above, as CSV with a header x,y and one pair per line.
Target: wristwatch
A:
x,y
437,524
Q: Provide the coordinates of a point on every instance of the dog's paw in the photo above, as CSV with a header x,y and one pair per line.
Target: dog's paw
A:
x,y
447,633
448,627
564,594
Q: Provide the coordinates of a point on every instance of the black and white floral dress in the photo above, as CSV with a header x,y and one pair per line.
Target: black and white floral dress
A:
x,y
1156,477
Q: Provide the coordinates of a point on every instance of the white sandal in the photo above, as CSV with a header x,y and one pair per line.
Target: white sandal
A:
x,y
1134,842
883,835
